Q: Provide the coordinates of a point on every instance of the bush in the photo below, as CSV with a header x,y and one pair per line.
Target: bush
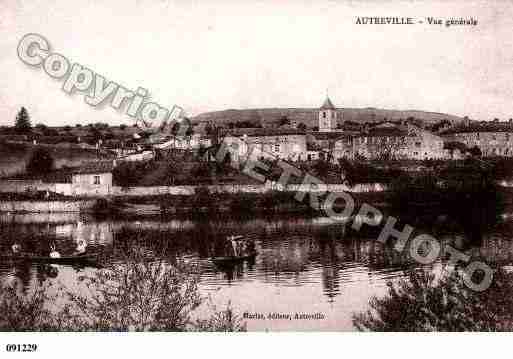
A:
x,y
425,304
361,172
40,162
19,312
242,203
465,192
137,294
203,198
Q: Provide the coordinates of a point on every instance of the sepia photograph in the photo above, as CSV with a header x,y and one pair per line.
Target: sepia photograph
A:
x,y
255,166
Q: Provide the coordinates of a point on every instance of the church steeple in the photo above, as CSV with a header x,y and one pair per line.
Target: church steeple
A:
x,y
327,105
327,116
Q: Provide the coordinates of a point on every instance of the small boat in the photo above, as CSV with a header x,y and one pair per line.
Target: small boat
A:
x,y
78,259
228,260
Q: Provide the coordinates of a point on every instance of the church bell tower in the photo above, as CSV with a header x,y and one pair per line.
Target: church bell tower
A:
x,y
327,116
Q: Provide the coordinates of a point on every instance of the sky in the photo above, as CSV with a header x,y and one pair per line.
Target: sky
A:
x,y
216,55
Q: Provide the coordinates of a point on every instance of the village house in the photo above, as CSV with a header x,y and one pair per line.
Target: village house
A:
x,y
492,138
389,141
93,178
89,179
267,143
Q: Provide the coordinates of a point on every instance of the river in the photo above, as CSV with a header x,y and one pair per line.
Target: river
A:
x,y
304,265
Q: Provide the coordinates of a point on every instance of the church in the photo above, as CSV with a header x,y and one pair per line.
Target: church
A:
x,y
292,144
328,117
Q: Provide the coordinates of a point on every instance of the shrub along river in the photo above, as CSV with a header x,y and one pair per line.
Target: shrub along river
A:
x,y
307,266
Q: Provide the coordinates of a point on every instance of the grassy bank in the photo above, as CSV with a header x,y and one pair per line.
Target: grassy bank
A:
x,y
239,204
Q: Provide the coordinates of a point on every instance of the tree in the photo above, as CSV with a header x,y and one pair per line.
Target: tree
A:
x,y
95,133
209,128
50,132
187,125
40,162
301,126
175,128
475,151
284,120
41,126
22,124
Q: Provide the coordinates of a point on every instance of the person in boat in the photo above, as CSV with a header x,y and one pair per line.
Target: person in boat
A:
x,y
249,247
233,247
81,247
240,248
53,252
16,248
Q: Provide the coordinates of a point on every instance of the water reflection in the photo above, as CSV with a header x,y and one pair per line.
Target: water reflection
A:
x,y
303,265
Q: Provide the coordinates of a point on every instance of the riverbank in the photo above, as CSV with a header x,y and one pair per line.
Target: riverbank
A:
x,y
205,201
53,206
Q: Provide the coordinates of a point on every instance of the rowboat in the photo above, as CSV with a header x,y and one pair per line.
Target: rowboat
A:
x,y
229,260
77,259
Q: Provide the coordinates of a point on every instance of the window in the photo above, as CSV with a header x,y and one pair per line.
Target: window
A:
x,y
417,144
324,115
96,180
277,147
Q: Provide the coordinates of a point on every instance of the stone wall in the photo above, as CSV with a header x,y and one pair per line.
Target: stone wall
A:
x,y
45,206
67,188
152,190
236,188
26,185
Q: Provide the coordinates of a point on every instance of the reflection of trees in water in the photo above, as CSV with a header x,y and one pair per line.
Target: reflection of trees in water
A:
x,y
36,237
330,269
290,255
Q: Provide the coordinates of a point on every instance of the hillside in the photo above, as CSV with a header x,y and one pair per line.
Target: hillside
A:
x,y
15,155
308,116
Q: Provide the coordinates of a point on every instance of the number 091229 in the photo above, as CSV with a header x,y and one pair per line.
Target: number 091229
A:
x,y
21,347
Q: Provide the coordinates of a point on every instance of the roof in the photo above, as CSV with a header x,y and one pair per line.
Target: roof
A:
x,y
396,131
94,167
331,135
480,127
253,132
327,105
